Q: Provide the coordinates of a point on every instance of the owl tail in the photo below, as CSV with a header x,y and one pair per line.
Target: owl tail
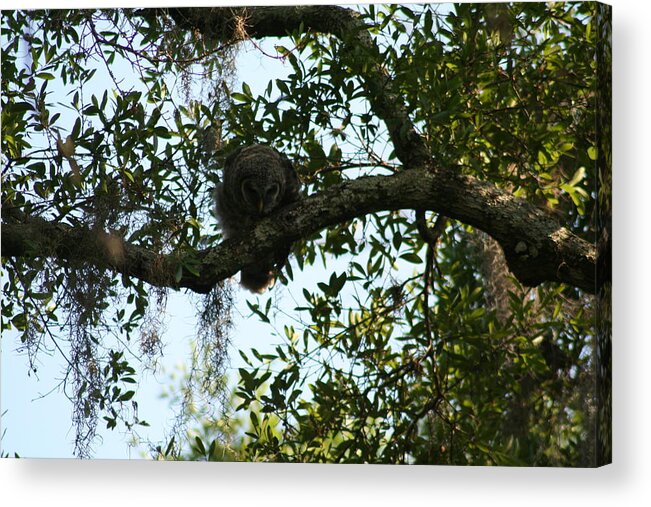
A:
x,y
256,278
261,276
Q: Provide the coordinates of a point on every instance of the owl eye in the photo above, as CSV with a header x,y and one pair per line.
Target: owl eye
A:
x,y
272,193
250,193
247,186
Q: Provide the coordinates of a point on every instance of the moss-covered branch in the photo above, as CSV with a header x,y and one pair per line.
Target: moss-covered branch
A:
x,y
537,248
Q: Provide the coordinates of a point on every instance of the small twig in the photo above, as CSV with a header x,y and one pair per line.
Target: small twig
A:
x,y
154,59
429,234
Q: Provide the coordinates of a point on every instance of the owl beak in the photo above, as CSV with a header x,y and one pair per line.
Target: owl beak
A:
x,y
260,204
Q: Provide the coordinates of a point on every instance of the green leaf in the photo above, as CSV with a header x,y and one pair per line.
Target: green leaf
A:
x,y
337,283
411,257
592,153
19,107
170,447
578,176
240,96
542,158
127,396
199,444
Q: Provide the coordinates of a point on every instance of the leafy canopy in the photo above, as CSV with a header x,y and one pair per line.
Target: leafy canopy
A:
x,y
401,351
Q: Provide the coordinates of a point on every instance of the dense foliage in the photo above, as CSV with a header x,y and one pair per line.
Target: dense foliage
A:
x,y
414,344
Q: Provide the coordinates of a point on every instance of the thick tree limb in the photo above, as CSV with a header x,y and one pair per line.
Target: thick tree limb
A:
x,y
537,248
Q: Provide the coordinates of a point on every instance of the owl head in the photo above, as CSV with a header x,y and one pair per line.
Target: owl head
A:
x,y
255,177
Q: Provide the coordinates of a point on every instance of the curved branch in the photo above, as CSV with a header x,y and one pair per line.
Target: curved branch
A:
x,y
536,247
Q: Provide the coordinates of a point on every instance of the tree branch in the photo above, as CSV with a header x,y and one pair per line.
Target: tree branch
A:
x,y
536,247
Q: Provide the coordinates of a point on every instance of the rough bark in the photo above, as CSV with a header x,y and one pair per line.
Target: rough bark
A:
x,y
537,248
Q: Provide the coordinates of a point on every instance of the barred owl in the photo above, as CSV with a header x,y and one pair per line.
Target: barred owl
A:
x,y
257,180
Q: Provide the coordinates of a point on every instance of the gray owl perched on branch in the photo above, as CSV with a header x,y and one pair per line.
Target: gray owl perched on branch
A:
x,y
257,181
